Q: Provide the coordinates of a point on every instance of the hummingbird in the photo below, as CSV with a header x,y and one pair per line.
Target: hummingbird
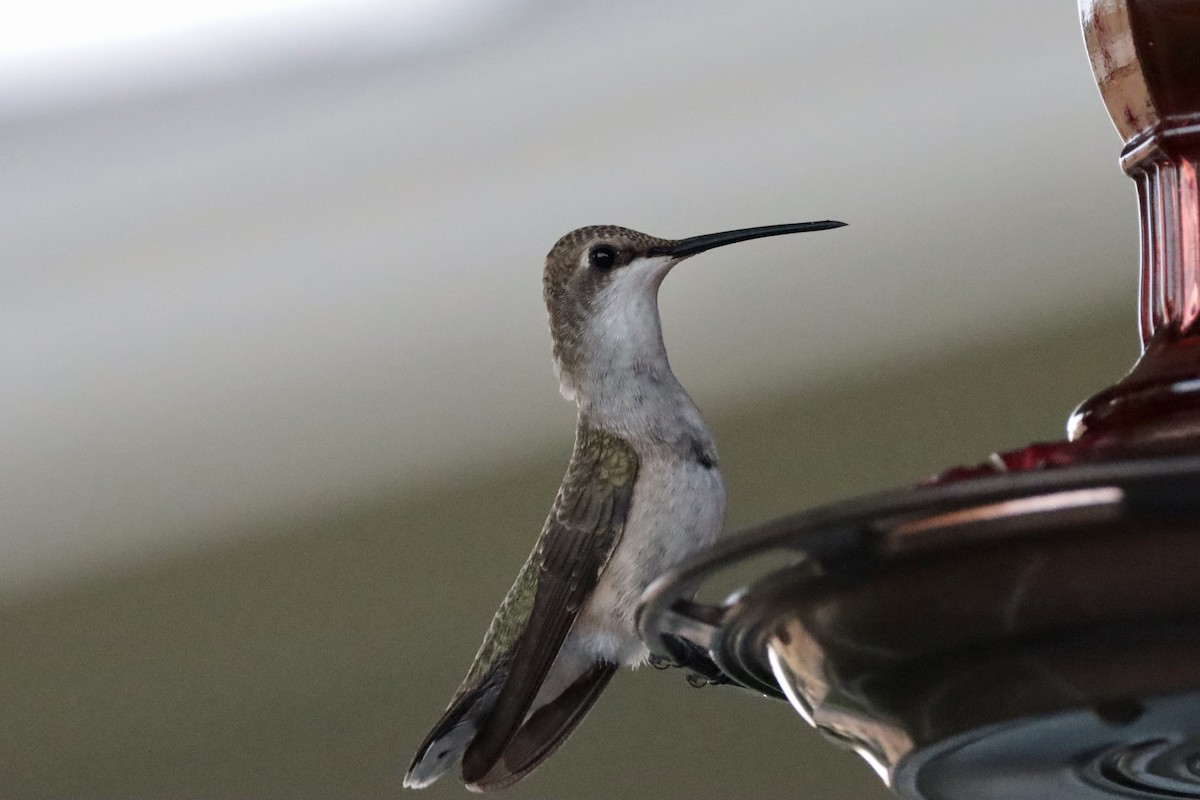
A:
x,y
642,491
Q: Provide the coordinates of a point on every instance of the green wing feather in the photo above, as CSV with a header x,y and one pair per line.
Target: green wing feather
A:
x,y
580,534
602,466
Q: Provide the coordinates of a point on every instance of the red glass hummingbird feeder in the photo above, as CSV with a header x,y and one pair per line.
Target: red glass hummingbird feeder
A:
x,y
1030,627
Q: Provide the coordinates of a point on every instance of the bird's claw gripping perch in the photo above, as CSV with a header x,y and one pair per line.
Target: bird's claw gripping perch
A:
x,y
702,670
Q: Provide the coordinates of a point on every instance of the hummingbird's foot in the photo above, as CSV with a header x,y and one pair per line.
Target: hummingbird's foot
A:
x,y
660,662
702,670
699,680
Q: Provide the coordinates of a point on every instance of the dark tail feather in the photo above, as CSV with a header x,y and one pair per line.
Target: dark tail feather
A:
x,y
445,744
540,735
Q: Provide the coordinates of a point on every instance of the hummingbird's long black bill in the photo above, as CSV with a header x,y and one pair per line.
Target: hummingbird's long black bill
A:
x,y
698,244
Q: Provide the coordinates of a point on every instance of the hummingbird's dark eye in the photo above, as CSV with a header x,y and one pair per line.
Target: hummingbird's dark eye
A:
x,y
603,257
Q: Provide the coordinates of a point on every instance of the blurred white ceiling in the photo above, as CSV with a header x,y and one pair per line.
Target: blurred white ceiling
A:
x,y
313,273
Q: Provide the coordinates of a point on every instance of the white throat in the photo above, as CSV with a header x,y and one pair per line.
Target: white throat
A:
x,y
624,381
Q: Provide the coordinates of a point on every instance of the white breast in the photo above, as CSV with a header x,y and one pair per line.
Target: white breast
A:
x,y
678,508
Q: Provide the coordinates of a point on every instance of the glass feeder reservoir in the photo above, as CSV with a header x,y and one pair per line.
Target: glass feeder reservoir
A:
x,y
1030,627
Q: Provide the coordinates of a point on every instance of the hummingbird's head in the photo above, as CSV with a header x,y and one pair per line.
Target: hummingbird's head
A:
x,y
601,290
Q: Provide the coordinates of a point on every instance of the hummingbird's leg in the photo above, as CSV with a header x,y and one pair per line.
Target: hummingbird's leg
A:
x,y
660,662
702,670
699,681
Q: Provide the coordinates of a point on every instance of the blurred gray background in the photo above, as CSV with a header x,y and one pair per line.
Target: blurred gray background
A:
x,y
277,418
